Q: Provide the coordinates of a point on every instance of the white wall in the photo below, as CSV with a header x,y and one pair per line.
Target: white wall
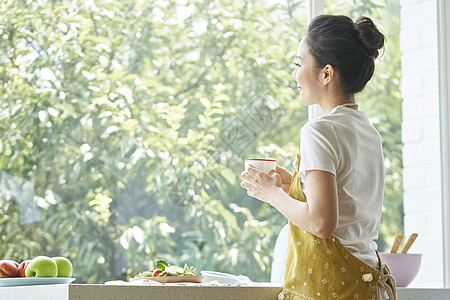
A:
x,y
420,135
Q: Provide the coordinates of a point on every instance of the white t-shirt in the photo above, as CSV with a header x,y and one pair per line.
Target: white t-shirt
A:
x,y
345,144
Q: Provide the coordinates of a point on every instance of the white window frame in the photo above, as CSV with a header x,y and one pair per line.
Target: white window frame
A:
x,y
443,11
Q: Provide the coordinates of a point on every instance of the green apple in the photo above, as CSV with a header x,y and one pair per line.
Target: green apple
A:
x,y
42,266
64,266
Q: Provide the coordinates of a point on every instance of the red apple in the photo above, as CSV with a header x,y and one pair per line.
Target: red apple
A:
x,y
22,266
8,268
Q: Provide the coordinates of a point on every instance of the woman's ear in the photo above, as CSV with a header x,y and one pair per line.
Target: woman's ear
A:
x,y
327,74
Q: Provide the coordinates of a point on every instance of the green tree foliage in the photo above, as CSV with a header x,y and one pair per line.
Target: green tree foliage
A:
x,y
124,127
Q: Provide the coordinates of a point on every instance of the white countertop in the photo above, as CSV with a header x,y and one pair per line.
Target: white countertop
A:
x,y
124,292
35,292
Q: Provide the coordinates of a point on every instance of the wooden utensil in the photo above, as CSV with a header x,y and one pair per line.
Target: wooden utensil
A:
x,y
397,241
409,242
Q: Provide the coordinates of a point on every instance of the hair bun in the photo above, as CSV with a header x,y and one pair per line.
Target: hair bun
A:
x,y
370,36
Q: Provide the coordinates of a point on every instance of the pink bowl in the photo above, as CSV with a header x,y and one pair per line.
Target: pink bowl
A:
x,y
403,266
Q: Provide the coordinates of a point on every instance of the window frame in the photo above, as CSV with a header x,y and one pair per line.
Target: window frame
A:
x,y
443,11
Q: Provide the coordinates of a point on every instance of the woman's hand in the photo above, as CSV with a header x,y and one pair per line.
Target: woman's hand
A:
x,y
286,178
261,185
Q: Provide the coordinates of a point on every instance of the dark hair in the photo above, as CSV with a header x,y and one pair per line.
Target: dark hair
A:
x,y
350,48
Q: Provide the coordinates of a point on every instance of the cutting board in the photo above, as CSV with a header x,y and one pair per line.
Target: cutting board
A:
x,y
172,279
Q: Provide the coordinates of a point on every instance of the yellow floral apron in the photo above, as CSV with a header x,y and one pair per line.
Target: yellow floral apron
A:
x,y
319,268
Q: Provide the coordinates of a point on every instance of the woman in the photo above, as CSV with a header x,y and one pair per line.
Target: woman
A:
x,y
335,218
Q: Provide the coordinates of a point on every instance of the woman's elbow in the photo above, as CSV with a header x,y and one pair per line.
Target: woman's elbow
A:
x,y
324,234
325,229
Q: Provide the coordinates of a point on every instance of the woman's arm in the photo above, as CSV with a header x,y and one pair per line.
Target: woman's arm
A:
x,y
319,215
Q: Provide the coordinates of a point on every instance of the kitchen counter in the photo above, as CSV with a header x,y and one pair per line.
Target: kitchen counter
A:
x,y
132,292
99,292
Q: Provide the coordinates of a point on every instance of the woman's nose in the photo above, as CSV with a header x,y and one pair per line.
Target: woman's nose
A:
x,y
293,74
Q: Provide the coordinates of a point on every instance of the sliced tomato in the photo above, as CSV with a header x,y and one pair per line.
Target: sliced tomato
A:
x,y
156,272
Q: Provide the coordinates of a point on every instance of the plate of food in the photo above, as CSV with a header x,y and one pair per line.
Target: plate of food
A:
x,y
172,279
165,273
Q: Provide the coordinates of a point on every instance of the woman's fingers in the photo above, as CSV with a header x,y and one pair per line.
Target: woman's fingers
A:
x,y
280,169
250,174
252,170
257,182
246,185
250,191
246,176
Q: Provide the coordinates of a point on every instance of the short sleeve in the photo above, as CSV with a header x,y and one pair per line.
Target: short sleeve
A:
x,y
318,147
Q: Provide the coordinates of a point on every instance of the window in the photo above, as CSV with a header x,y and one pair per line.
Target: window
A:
x,y
125,125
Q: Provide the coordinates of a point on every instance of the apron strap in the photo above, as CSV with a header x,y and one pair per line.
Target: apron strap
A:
x,y
386,284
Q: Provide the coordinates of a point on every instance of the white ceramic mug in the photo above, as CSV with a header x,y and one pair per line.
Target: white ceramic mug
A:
x,y
262,164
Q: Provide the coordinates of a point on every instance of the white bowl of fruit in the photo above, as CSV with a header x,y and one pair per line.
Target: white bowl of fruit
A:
x,y
37,271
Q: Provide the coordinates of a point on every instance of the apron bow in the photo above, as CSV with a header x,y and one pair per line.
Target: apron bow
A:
x,y
386,282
